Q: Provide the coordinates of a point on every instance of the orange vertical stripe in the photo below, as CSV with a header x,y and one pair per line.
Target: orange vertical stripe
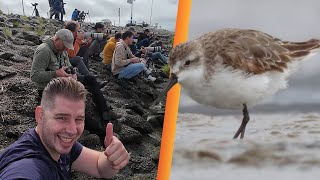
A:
x,y
172,103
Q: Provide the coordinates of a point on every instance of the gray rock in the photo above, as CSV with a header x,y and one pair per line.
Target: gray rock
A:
x,y
2,24
32,37
14,20
6,72
148,176
140,164
129,135
138,123
6,55
2,39
155,120
2,19
91,141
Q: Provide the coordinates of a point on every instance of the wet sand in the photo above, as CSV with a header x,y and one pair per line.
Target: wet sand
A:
x,y
276,146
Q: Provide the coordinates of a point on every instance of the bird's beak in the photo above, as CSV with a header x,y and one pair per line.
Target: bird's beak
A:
x,y
172,81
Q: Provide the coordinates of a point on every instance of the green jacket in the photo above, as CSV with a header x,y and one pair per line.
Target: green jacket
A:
x,y
46,61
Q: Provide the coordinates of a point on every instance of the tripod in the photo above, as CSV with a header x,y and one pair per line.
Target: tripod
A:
x,y
35,10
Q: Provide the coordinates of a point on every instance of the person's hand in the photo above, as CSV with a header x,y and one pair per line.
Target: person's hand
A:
x,y
74,76
135,60
143,60
80,35
116,153
62,73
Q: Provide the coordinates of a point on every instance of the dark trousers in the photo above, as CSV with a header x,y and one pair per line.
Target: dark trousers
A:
x,y
84,53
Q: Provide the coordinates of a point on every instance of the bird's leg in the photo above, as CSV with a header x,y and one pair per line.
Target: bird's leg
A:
x,y
245,120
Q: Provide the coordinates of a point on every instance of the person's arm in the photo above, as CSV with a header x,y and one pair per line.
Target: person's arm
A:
x,y
40,63
102,164
76,46
118,54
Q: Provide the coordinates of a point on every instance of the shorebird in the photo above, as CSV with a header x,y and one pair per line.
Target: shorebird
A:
x,y
235,68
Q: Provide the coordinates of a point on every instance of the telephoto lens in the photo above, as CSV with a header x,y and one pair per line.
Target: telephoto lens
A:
x,y
94,36
110,31
153,49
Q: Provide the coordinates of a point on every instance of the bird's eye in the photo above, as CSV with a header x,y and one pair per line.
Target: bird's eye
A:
x,y
187,63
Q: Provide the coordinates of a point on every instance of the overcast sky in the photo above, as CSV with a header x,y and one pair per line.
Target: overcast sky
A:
x,y
292,20
164,11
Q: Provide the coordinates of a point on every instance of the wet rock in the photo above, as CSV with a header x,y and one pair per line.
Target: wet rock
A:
x,y
129,135
138,123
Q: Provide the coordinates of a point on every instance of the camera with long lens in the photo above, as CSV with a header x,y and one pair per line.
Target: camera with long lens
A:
x,y
110,31
70,70
34,4
94,36
153,49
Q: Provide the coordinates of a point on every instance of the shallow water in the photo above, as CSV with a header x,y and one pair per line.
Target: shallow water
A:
x,y
276,146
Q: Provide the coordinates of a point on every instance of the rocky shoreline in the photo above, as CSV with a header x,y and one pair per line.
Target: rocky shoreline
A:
x,y
140,127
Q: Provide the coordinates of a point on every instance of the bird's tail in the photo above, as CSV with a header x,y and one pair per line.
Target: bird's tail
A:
x,y
300,50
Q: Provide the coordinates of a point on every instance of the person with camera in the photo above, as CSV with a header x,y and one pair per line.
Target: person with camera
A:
x,y
144,38
51,150
154,53
97,45
124,63
50,60
81,62
109,49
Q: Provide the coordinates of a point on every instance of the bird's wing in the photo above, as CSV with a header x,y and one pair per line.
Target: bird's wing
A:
x,y
257,52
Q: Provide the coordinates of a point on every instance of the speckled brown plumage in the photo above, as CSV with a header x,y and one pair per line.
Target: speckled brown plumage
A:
x,y
250,50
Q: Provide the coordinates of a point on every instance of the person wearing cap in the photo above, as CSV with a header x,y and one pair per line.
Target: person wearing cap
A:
x,y
50,60
97,45
77,59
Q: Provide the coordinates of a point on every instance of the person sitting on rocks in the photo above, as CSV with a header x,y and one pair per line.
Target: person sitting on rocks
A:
x,y
154,56
74,58
133,46
97,45
109,49
124,63
51,149
144,38
50,60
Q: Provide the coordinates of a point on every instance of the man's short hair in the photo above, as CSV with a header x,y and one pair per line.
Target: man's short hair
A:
x,y
62,86
126,35
72,25
118,35
132,29
146,30
98,25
